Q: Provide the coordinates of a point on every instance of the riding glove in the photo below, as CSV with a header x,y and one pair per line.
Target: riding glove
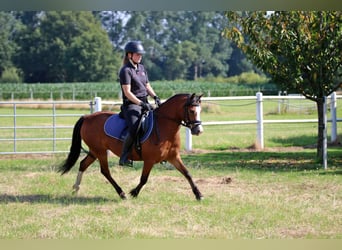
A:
x,y
157,101
146,106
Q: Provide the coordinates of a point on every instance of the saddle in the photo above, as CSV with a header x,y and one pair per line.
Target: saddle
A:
x,y
116,127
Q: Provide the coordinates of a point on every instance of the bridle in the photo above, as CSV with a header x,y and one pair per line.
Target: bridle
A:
x,y
186,121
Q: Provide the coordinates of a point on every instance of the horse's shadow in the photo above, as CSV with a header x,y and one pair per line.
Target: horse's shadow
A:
x,y
46,198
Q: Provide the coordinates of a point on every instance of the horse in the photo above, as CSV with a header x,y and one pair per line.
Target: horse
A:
x,y
163,144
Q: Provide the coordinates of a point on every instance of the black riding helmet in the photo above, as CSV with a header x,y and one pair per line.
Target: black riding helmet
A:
x,y
134,47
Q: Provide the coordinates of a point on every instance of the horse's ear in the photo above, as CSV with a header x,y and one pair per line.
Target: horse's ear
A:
x,y
195,97
198,98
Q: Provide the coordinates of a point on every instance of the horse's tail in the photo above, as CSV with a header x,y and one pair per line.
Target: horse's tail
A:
x,y
75,149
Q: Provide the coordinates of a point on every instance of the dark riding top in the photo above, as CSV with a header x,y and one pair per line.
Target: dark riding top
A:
x,y
137,78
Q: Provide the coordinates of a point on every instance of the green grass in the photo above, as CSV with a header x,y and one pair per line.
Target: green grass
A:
x,y
248,195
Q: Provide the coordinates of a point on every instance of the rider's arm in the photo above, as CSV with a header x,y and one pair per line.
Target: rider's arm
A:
x,y
150,90
128,93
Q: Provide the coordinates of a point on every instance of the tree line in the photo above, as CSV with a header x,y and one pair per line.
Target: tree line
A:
x,y
84,46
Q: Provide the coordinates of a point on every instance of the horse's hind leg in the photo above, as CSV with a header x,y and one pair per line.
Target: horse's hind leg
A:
x,y
85,163
105,171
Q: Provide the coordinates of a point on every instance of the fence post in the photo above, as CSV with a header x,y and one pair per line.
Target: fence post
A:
x,y
260,122
54,125
98,104
73,93
325,146
14,127
188,139
280,102
333,105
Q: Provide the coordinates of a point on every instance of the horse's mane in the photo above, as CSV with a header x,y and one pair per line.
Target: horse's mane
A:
x,y
174,97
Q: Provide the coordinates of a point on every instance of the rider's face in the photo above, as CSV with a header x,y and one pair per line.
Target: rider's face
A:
x,y
136,58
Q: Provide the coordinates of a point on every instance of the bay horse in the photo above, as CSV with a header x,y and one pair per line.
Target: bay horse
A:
x,y
162,145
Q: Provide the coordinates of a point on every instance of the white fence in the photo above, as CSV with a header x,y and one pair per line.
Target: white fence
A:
x,y
260,116
53,125
16,136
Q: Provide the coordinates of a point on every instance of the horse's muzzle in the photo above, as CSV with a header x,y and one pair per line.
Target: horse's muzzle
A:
x,y
197,129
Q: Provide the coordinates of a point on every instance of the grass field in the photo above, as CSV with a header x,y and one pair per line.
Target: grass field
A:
x,y
248,195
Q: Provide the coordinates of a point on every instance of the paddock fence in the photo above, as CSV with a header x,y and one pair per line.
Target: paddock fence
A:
x,y
54,120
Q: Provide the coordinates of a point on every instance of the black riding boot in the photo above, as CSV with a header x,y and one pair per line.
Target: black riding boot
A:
x,y
126,148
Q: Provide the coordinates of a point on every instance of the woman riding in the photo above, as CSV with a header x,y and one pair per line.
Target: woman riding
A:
x,y
135,91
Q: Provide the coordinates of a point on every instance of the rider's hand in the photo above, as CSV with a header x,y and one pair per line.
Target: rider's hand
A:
x,y
146,106
157,101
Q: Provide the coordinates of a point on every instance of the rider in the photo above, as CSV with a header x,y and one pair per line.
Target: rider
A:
x,y
135,91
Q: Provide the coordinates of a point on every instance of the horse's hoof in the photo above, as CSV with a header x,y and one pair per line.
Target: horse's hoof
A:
x,y
200,198
75,190
134,193
123,196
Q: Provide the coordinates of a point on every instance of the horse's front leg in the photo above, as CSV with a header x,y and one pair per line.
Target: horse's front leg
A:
x,y
105,171
143,179
178,163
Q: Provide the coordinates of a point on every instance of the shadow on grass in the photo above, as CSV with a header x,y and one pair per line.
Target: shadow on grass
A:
x,y
297,141
45,198
301,160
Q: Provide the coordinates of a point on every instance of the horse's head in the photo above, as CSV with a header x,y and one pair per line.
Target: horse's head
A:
x,y
192,118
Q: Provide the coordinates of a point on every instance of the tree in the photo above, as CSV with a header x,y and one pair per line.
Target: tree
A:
x,y
28,18
66,46
206,51
166,33
300,50
238,63
9,26
113,22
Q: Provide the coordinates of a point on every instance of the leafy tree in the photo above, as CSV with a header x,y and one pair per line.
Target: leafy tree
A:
x,y
301,50
8,27
238,63
199,33
66,47
30,19
167,36
113,22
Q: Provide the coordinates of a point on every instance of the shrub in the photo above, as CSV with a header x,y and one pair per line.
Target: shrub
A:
x,y
245,78
10,75
252,78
